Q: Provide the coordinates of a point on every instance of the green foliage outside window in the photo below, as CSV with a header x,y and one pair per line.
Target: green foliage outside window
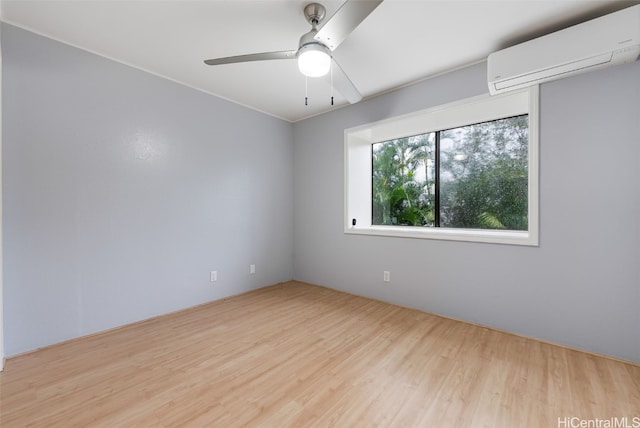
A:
x,y
482,181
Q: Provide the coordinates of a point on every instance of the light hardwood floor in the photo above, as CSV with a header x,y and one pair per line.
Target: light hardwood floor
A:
x,y
296,355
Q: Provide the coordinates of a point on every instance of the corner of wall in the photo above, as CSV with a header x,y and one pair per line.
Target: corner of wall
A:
x,y
1,275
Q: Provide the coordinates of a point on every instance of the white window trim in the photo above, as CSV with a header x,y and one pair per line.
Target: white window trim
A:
x,y
357,164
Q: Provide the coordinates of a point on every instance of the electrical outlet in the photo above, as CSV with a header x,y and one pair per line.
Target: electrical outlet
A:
x,y
252,269
213,276
386,275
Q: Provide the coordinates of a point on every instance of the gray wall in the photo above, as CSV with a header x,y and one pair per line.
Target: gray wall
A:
x,y
123,190
1,258
580,287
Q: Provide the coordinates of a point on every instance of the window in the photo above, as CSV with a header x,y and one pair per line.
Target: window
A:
x,y
471,177
464,171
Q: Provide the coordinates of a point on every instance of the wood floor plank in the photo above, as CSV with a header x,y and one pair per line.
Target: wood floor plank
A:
x,y
297,355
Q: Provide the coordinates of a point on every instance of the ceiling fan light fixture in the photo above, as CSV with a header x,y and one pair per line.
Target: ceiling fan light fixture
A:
x,y
314,60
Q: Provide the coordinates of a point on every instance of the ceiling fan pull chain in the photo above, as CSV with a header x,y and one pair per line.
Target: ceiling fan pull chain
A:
x,y
306,90
331,71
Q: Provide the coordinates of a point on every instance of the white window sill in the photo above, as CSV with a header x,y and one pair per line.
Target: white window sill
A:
x,y
468,235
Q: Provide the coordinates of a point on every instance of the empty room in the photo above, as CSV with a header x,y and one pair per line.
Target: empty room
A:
x,y
352,213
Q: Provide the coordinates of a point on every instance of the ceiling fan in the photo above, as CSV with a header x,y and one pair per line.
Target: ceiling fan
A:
x,y
315,47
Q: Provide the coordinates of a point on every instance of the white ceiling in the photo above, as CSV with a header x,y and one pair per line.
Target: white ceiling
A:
x,y
401,42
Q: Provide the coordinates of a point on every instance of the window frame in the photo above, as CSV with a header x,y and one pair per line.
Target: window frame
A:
x,y
483,108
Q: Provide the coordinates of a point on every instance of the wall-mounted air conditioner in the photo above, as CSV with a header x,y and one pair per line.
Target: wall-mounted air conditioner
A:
x,y
609,40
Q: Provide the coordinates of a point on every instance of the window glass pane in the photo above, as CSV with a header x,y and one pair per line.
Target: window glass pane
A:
x,y
484,176
404,181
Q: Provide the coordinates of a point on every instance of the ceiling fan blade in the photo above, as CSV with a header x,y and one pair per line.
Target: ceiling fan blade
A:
x,y
252,57
344,21
343,84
